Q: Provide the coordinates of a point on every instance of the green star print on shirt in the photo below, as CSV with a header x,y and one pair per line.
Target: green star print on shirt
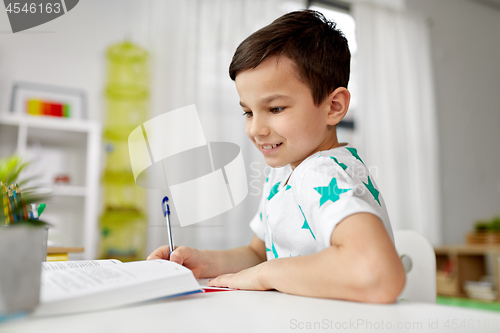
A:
x,y
274,190
331,192
372,190
341,164
354,153
306,225
274,249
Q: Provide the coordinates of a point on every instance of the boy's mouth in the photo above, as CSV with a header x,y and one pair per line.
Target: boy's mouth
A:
x,y
269,147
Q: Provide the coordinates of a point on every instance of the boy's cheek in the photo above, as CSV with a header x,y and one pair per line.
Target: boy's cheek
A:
x,y
251,138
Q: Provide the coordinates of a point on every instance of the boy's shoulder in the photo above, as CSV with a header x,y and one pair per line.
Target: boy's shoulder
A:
x,y
344,161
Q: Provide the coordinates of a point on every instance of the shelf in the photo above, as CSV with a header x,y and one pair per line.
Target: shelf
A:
x,y
65,191
8,139
71,191
467,249
53,123
61,150
469,263
60,249
65,217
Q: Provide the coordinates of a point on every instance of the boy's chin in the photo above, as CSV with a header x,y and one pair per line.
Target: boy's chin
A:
x,y
275,164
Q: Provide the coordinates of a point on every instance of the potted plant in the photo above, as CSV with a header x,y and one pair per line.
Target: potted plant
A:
x,y
23,241
486,232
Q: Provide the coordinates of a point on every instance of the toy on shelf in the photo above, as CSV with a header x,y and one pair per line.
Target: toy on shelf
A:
x,y
37,107
62,179
40,99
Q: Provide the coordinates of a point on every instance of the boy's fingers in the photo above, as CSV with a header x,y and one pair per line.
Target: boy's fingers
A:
x,y
181,255
178,256
162,252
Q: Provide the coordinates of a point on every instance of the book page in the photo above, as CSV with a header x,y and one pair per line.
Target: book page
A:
x,y
60,265
67,283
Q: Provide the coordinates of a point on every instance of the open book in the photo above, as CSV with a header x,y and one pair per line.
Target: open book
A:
x,y
88,285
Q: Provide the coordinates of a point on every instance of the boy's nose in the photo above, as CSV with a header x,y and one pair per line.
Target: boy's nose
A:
x,y
258,127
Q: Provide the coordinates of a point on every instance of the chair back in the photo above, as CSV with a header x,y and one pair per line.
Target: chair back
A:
x,y
419,260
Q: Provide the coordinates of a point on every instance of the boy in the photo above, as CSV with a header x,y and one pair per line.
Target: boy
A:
x,y
322,229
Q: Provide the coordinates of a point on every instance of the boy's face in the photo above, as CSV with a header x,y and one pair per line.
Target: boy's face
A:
x,y
280,111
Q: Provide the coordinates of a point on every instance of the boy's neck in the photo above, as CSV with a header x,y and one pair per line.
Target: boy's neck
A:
x,y
333,143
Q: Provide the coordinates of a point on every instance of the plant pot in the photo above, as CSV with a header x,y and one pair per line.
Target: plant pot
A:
x,y
22,250
485,238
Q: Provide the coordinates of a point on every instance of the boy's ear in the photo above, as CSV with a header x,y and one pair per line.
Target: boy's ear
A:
x,y
338,101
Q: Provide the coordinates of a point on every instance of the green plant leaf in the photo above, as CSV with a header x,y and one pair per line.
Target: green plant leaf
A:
x,y
10,169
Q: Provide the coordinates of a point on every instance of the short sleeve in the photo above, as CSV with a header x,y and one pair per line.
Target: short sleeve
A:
x,y
257,223
327,195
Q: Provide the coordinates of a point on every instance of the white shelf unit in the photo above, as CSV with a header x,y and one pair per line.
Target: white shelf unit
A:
x,y
61,147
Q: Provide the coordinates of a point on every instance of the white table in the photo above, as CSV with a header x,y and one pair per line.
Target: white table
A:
x,y
271,311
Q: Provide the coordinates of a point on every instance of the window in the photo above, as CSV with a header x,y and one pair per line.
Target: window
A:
x,y
339,13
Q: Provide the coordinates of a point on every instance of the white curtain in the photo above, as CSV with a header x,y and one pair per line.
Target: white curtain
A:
x,y
191,43
397,132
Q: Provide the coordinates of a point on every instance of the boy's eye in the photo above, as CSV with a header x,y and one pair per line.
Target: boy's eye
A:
x,y
277,110
248,114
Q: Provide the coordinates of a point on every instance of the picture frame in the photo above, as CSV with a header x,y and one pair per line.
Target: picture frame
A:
x,y
36,99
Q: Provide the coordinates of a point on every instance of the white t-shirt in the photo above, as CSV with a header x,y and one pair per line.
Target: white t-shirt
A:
x,y
298,218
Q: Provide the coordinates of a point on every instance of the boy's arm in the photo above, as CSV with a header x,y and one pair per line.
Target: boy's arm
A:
x,y
360,265
233,260
206,263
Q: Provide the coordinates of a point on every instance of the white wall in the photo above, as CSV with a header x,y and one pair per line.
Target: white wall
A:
x,y
466,56
68,51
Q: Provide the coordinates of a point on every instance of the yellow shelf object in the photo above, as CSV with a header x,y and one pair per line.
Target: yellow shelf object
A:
x,y
123,220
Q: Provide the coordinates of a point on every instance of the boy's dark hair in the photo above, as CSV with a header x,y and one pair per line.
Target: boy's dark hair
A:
x,y
318,49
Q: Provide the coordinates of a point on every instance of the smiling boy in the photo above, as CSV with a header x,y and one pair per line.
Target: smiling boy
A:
x,y
322,229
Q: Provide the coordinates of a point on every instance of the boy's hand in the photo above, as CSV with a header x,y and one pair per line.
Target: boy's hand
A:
x,y
247,279
183,255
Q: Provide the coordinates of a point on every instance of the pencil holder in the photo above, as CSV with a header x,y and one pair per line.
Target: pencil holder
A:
x,y
22,250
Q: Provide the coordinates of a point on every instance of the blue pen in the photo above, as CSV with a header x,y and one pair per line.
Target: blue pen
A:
x,y
166,214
